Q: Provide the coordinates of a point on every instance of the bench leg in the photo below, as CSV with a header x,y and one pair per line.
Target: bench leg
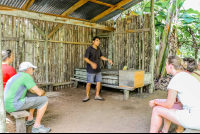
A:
x,y
21,125
76,84
126,94
141,90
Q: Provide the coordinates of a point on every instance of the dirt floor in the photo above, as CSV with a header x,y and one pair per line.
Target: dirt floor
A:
x,y
67,113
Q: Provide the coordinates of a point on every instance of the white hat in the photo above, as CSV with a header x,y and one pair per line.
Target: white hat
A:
x,y
25,65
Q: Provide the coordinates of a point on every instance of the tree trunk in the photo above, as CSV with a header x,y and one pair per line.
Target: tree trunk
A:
x,y
163,44
2,107
152,62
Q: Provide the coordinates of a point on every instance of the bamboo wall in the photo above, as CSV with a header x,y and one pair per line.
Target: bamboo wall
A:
x,y
64,57
132,49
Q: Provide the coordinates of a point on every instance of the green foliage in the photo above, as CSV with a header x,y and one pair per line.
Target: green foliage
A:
x,y
186,19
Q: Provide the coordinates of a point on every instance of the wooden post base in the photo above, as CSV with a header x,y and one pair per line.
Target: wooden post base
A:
x,y
76,84
126,94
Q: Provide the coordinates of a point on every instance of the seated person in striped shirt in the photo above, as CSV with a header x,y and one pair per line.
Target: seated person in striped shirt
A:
x,y
17,98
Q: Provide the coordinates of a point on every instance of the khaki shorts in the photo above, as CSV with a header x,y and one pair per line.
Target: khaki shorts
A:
x,y
33,101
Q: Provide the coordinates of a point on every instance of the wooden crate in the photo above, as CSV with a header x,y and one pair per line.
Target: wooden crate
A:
x,y
134,78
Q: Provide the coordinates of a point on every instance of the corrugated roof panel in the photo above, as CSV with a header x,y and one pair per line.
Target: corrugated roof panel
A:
x,y
13,3
112,2
116,12
88,11
52,6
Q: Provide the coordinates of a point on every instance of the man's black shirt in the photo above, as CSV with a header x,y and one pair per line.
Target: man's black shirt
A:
x,y
93,55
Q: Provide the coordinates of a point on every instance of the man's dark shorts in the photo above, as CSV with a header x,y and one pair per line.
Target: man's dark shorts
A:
x,y
33,101
91,78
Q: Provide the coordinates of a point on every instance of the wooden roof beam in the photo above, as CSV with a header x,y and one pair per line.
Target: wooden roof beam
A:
x,y
51,17
74,7
108,11
28,4
104,4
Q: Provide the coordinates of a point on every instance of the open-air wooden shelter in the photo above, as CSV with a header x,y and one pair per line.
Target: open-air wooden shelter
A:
x,y
54,34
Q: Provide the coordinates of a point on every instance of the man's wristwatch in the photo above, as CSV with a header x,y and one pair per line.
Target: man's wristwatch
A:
x,y
107,59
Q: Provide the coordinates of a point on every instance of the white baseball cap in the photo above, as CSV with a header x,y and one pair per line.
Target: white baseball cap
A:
x,y
25,65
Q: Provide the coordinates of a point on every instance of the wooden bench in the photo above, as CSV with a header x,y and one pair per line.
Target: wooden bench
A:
x,y
126,90
49,85
191,131
20,120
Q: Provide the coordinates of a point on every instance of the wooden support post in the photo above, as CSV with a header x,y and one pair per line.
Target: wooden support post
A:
x,y
51,88
110,51
38,29
46,53
76,84
2,106
126,94
141,90
152,62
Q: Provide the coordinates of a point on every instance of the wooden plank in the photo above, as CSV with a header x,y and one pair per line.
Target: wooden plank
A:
x,y
57,27
104,4
34,40
63,83
38,29
10,39
28,4
111,9
81,43
134,31
51,17
19,114
46,53
74,7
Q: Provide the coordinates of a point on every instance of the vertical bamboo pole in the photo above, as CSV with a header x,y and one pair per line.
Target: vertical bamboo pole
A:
x,y
2,108
110,51
46,53
152,47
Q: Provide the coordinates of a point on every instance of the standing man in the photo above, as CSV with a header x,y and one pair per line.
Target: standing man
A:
x,y
93,56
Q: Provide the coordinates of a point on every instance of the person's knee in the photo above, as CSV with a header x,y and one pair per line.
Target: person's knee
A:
x,y
88,84
156,109
46,99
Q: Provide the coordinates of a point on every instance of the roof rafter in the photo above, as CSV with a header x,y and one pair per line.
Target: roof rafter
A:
x,y
74,7
108,11
104,4
28,4
50,17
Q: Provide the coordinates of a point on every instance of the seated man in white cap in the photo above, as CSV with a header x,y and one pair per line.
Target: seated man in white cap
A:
x,y
17,98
